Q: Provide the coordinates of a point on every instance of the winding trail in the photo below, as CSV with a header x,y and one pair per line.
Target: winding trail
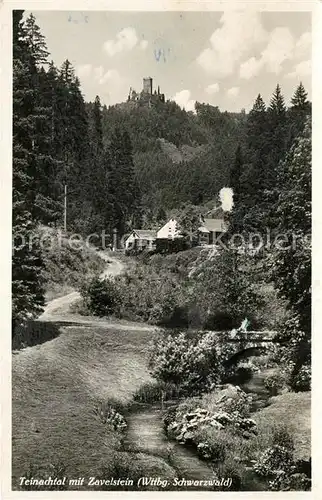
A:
x,y
59,309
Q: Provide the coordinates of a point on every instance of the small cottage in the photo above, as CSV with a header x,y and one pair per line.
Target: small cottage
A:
x,y
169,231
210,230
141,239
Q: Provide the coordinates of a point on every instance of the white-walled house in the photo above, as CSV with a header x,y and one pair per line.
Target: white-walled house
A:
x,y
169,231
141,239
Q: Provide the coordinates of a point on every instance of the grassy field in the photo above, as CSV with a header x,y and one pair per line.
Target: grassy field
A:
x,y
56,386
292,410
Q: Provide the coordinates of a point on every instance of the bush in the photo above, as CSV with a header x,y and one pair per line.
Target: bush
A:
x,y
301,381
101,297
275,382
277,464
108,415
273,460
189,363
156,391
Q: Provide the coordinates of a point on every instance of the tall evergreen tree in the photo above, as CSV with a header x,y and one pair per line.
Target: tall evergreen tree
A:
x,y
299,99
299,111
278,143
36,41
252,208
292,259
73,139
27,284
123,187
97,128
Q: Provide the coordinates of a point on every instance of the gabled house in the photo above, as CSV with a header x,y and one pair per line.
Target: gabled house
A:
x,y
169,231
141,239
210,229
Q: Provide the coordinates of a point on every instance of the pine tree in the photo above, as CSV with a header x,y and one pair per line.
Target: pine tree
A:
x,y
298,113
73,140
97,129
277,108
124,190
277,140
299,99
47,208
292,261
27,283
251,209
36,41
256,127
97,173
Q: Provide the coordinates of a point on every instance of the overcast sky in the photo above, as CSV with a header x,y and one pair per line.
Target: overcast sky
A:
x,y
224,59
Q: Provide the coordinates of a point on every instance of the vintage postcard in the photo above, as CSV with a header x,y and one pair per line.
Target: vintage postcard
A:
x,y
159,330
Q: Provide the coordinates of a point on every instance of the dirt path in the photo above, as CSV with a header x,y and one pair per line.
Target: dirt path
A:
x,y
59,309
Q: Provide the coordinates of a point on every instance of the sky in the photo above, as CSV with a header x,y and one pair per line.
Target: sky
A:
x,y
221,58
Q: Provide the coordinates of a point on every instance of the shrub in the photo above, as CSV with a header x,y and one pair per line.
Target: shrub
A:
x,y
275,382
108,415
156,391
190,363
273,460
101,297
301,381
290,482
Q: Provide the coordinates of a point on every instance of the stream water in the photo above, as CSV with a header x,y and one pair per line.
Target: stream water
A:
x,y
145,433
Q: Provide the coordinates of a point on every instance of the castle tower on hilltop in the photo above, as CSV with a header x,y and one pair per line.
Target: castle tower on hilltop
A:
x,y
146,97
147,85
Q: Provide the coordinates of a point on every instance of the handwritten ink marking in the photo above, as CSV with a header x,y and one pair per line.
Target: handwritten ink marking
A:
x,y
162,54
72,18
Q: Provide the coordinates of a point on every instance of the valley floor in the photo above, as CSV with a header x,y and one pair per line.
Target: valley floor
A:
x,y
57,384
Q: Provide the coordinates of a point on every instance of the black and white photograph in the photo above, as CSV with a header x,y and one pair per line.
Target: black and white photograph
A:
x,y
161,250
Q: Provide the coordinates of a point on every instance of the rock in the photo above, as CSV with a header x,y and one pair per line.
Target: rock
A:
x,y
188,436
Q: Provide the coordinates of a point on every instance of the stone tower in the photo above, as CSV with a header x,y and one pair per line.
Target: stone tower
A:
x,y
147,85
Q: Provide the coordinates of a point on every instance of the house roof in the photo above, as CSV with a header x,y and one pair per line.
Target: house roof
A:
x,y
145,234
213,225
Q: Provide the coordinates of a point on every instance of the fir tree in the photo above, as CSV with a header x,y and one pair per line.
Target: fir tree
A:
x,y
278,142
27,284
292,261
252,210
277,108
36,41
299,99
298,113
97,130
123,188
